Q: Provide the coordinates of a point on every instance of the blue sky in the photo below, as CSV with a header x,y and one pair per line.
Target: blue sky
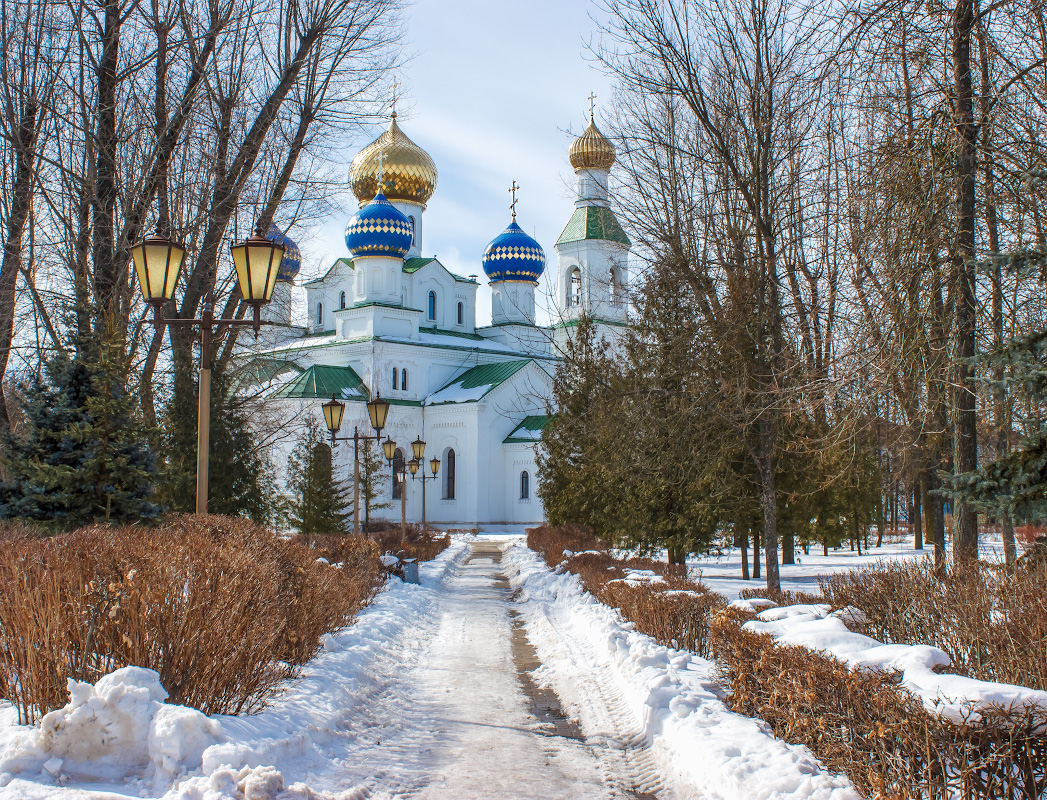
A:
x,y
493,90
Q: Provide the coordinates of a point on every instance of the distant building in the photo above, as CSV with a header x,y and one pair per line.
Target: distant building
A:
x,y
388,319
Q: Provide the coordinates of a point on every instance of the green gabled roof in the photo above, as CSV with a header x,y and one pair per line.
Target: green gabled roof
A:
x,y
263,371
481,379
415,264
593,222
325,382
529,431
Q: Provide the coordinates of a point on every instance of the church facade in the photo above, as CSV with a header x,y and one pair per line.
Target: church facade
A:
x,y
387,319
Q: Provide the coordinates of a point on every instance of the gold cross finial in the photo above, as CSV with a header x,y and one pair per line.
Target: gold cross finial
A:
x,y
513,190
381,170
592,105
396,93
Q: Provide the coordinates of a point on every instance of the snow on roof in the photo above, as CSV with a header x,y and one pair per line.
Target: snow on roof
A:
x,y
528,431
473,384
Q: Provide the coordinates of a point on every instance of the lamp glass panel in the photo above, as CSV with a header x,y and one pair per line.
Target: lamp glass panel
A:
x,y
378,411
389,446
264,263
157,264
413,465
333,412
434,465
418,448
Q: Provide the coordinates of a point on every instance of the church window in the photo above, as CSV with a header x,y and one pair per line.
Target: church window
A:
x,y
412,231
396,379
341,300
574,288
525,485
461,313
432,306
398,471
319,314
403,380
449,475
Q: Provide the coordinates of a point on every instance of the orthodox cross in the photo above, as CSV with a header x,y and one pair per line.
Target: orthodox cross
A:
x,y
381,170
512,206
592,105
396,95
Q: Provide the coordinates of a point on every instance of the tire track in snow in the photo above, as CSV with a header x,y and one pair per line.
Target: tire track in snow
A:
x,y
615,732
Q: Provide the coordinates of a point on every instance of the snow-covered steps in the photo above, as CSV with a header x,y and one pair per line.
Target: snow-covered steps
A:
x,y
658,706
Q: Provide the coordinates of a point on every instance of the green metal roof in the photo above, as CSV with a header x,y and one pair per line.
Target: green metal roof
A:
x,y
415,264
529,431
475,337
324,382
483,378
593,222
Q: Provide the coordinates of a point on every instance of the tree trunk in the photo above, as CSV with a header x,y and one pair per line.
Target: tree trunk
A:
x,y
770,506
756,553
915,515
965,530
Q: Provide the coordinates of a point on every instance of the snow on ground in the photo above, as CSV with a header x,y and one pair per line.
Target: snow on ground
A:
x,y
952,696
722,572
660,707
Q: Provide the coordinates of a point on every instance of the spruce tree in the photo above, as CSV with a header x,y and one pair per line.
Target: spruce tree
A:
x,y
82,454
320,503
372,477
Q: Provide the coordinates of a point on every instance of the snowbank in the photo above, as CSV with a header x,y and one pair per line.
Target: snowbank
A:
x,y
110,730
670,696
954,697
120,734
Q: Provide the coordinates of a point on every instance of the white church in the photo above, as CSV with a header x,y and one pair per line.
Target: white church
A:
x,y
387,319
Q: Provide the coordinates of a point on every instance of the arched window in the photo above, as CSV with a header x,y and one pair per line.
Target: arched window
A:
x,y
403,380
398,467
412,231
461,313
449,475
432,306
396,379
319,314
525,485
341,300
574,288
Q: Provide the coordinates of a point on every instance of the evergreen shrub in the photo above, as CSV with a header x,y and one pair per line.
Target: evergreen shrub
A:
x,y
223,609
991,620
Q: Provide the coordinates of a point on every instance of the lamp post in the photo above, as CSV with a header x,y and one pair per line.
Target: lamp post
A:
x,y
389,448
157,261
378,411
418,451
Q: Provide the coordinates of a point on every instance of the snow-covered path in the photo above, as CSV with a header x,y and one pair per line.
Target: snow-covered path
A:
x,y
456,724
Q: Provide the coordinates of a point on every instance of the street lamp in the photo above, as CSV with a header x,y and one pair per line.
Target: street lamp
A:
x,y
399,471
378,412
434,465
157,262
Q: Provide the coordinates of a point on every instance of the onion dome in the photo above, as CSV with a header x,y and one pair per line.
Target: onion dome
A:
x,y
410,174
591,150
514,256
378,229
292,261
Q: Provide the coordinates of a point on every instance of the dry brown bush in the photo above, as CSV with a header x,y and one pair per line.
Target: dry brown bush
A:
x,y
861,724
992,621
423,544
674,612
219,607
782,598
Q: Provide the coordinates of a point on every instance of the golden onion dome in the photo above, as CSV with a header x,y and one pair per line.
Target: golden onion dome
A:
x,y
591,150
409,173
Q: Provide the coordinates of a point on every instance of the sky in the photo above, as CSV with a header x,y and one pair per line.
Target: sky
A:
x,y
494,91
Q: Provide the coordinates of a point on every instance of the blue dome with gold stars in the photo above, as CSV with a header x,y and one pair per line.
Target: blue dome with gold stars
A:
x,y
514,256
292,261
378,229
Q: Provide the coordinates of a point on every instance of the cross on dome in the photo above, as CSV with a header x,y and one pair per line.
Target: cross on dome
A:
x,y
512,190
396,95
592,105
381,170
